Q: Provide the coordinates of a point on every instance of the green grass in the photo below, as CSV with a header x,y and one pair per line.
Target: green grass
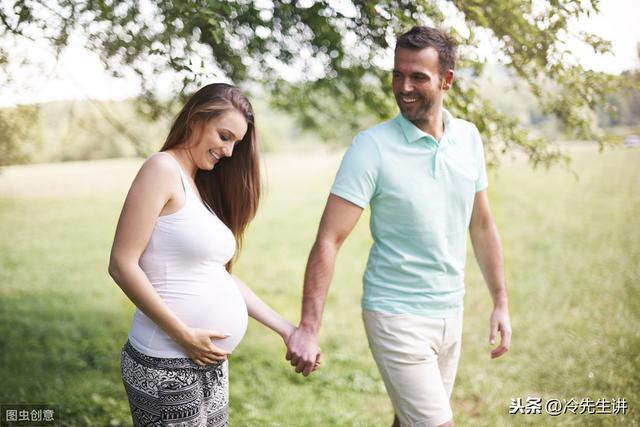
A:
x,y
572,255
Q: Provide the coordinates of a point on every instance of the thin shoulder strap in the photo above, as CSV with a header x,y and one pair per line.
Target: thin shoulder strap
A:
x,y
185,183
189,191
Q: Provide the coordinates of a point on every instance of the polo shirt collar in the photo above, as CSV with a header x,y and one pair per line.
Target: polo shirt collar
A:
x,y
413,133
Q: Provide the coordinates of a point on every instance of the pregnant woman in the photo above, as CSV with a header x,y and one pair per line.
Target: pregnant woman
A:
x,y
179,229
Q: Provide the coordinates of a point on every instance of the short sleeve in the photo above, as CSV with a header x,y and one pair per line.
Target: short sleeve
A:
x,y
358,173
482,182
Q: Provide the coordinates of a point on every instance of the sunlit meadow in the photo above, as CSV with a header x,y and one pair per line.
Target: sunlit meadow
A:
x,y
572,250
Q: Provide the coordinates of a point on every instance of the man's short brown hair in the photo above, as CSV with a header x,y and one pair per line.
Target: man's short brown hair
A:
x,y
424,37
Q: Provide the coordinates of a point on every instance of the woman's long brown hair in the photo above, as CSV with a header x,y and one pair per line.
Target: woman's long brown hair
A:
x,y
232,189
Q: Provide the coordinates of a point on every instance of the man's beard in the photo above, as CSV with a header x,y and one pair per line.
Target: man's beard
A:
x,y
416,111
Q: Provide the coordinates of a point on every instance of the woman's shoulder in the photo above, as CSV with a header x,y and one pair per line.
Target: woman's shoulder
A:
x,y
161,165
158,171
161,162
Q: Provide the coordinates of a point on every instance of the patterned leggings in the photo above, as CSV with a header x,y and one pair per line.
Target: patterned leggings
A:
x,y
167,392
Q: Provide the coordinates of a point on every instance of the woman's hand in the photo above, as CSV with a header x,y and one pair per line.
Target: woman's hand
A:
x,y
199,347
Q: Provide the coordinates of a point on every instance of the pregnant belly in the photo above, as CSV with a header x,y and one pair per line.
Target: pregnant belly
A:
x,y
218,308
211,301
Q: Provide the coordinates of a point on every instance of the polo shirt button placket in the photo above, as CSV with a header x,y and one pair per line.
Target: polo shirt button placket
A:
x,y
437,159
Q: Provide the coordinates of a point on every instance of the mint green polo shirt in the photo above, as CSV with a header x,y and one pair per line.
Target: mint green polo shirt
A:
x,y
421,195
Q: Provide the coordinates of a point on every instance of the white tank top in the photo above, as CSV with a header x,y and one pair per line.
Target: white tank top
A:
x,y
184,261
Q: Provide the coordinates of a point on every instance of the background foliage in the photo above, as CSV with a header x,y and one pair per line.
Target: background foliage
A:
x,y
16,128
322,61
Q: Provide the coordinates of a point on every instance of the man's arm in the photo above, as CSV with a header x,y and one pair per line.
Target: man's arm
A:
x,y
338,219
488,250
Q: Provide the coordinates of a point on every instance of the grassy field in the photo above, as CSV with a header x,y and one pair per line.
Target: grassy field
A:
x,y
573,267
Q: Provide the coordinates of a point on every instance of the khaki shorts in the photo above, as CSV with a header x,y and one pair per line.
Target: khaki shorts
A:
x,y
417,358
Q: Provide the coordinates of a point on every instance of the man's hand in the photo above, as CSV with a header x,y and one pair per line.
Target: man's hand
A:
x,y
500,322
303,351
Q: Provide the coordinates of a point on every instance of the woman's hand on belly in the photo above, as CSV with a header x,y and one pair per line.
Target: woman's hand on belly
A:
x,y
199,347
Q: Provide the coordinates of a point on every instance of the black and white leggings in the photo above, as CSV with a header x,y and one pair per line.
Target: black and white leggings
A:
x,y
167,392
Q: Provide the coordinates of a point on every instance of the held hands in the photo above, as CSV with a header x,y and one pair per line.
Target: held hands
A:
x,y
303,351
500,322
287,332
199,347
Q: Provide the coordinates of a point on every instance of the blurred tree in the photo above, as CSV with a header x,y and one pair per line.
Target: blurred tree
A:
x,y
17,130
623,105
321,60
